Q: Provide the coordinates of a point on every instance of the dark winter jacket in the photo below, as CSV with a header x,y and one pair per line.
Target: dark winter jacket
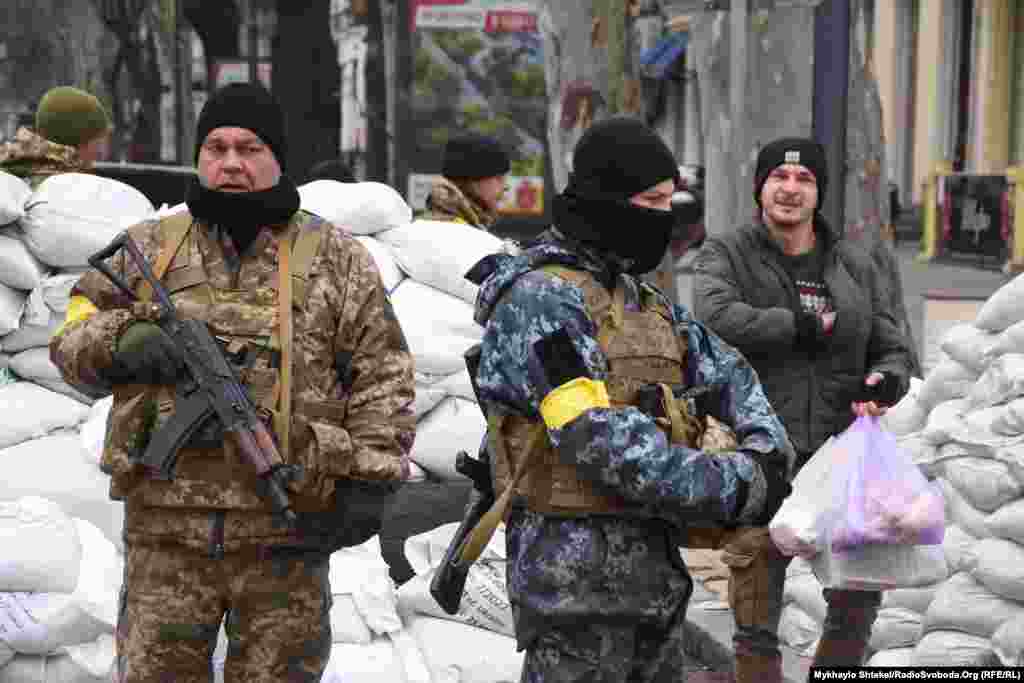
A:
x,y
744,293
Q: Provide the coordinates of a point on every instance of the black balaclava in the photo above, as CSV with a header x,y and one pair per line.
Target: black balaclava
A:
x,y
803,151
614,160
242,214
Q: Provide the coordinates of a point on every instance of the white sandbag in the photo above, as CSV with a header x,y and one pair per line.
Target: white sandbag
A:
x,y
1008,522
18,267
1000,567
899,657
909,414
465,654
1010,420
881,567
895,628
413,663
6,654
949,648
71,216
454,425
34,365
944,420
417,473
1002,381
949,379
362,572
799,630
374,662
41,623
58,668
1008,642
30,411
484,602
12,304
985,484
440,254
1004,308
365,208
55,467
964,604
30,336
97,658
56,289
967,344
347,625
923,453
1010,340
41,549
804,591
416,303
388,268
913,599
93,433
962,513
958,545
14,193
428,393
458,385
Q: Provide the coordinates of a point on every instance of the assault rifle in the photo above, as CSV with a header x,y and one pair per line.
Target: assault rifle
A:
x,y
449,580
209,390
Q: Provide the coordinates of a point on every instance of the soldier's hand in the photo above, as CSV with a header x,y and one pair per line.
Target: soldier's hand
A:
x,y
145,355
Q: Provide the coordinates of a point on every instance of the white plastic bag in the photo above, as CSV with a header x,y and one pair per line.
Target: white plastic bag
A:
x,y
359,208
800,524
71,216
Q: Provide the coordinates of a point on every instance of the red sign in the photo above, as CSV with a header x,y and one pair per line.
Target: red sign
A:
x,y
510,21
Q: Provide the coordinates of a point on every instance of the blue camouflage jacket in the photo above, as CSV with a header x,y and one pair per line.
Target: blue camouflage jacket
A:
x,y
602,568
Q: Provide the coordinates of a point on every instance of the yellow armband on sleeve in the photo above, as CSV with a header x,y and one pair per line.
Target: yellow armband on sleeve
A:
x,y
79,308
567,402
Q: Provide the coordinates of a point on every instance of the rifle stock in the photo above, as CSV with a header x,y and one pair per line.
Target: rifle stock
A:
x,y
210,390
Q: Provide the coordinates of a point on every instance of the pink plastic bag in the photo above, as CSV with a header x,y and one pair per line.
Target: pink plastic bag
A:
x,y
882,496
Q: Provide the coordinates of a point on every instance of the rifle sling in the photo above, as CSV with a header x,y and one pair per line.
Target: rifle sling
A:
x,y
284,383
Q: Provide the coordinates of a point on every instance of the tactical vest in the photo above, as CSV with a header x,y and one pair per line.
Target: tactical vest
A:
x,y
255,327
642,348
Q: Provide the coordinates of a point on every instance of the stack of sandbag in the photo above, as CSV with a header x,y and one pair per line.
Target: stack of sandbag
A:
x,y
422,264
478,642
59,584
44,251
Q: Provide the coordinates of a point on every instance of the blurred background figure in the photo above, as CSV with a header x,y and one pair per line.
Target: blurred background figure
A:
x,y
332,169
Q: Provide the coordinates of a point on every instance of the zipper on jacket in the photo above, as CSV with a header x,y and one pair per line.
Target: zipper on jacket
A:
x,y
217,534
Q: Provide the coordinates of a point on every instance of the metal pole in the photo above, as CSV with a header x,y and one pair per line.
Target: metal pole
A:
x,y
831,95
738,21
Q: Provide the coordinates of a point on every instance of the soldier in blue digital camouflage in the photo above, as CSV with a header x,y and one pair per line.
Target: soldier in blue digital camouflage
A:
x,y
600,482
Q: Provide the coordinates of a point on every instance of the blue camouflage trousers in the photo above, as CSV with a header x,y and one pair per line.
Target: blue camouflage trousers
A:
x,y
606,653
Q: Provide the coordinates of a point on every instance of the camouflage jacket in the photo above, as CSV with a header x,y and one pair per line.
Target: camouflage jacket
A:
x,y
352,382
603,568
34,158
448,202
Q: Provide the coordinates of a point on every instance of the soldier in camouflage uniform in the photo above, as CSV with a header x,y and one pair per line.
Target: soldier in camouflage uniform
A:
x,y
600,489
72,132
473,182
206,545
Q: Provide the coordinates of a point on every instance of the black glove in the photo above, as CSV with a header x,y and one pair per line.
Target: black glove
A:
x,y
555,361
887,392
810,333
778,489
145,355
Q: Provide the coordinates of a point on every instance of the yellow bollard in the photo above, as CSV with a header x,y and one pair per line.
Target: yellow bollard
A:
x,y
1015,176
930,219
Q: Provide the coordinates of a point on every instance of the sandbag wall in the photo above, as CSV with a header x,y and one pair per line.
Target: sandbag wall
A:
x,y
964,426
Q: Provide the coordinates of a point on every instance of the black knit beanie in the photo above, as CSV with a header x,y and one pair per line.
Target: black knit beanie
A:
x,y
617,158
249,106
803,151
474,156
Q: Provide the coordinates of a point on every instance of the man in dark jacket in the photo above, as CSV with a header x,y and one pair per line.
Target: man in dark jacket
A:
x,y
808,310
599,487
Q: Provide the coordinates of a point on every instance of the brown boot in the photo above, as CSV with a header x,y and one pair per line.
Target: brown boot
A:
x,y
758,668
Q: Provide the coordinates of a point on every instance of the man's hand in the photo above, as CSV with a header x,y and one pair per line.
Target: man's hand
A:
x,y
145,355
871,408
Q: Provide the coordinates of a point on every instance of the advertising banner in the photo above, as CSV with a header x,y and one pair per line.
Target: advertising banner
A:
x,y
478,66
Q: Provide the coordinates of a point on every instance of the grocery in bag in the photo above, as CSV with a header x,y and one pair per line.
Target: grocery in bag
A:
x,y
882,497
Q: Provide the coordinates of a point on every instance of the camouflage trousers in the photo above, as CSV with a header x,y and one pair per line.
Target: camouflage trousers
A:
x,y
604,653
173,600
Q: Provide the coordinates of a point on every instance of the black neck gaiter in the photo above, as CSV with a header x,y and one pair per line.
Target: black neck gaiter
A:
x,y
243,214
632,233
